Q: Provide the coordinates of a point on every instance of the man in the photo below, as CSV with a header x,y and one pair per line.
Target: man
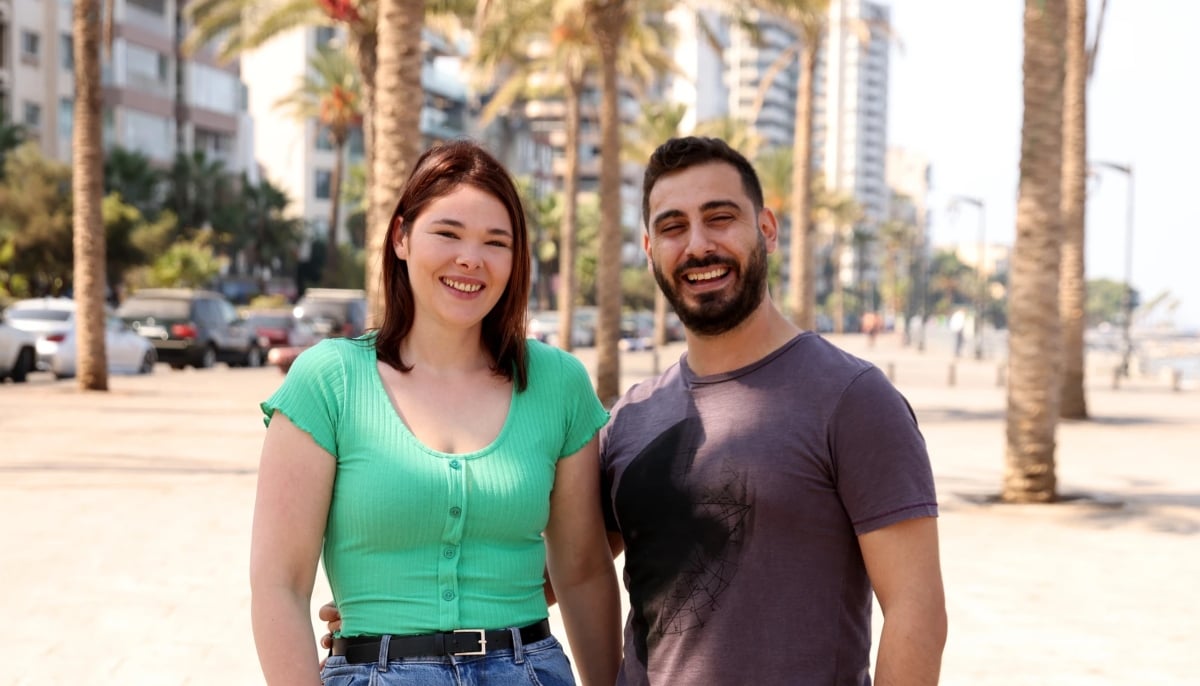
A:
x,y
764,485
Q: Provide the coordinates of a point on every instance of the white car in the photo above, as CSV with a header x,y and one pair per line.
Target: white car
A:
x,y
49,319
127,351
18,353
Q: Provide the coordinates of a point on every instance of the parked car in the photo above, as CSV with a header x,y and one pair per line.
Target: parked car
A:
x,y
18,353
334,311
192,327
278,328
125,351
49,319
637,331
543,326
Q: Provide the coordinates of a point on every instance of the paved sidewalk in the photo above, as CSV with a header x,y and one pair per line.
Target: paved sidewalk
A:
x,y
126,529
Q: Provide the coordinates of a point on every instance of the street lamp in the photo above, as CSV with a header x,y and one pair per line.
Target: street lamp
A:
x,y
1127,295
980,295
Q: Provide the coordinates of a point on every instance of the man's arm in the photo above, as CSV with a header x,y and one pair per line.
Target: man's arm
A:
x,y
903,564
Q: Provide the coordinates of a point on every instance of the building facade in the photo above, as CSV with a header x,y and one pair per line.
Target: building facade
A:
x,y
157,101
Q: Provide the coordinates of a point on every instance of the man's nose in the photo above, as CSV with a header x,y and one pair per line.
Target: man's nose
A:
x,y
699,241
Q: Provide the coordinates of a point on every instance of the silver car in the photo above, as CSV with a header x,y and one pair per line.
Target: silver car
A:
x,y
49,319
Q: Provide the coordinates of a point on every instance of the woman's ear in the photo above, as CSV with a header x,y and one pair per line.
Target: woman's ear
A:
x,y
399,239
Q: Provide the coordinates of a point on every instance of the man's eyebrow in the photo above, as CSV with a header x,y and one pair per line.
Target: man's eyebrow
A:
x,y
720,204
666,214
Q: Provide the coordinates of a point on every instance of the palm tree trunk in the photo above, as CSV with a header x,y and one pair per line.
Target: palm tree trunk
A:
x,y
566,249
802,280
609,22
1035,330
839,290
1073,286
364,46
87,181
395,127
333,256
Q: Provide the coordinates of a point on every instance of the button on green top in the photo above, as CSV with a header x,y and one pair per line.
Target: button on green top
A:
x,y
455,464
455,511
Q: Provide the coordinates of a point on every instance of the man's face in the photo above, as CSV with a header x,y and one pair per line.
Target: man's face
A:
x,y
708,247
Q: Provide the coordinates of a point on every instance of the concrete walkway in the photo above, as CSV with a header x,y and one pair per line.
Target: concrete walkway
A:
x,y
126,529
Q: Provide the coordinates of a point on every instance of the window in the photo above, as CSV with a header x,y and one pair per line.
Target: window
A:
x,y
149,134
152,6
67,51
32,116
31,45
325,35
324,180
323,141
146,69
66,118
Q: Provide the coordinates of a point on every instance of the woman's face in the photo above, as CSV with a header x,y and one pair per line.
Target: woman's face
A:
x,y
459,252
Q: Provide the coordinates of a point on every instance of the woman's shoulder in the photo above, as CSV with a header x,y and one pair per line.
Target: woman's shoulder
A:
x,y
541,353
343,351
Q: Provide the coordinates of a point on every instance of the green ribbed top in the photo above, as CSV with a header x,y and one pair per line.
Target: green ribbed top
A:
x,y
418,540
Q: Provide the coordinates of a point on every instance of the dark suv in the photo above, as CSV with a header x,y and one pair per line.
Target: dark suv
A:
x,y
192,327
334,312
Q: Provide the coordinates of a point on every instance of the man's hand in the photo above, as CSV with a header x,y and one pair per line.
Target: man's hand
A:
x,y
333,622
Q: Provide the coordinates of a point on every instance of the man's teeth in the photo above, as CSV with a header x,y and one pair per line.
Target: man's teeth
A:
x,y
460,286
705,276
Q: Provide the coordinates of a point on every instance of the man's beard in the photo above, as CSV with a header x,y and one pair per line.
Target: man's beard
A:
x,y
717,312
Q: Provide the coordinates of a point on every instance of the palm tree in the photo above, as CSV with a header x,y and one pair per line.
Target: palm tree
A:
x,y
330,94
134,177
1035,333
397,126
1073,287
841,213
562,54
808,20
608,21
87,184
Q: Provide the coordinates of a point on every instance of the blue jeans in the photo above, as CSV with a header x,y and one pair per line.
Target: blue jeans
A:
x,y
539,664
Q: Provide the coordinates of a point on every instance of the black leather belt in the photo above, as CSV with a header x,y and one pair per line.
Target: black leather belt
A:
x,y
363,649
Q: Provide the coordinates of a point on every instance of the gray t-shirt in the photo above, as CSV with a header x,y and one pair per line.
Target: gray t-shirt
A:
x,y
740,497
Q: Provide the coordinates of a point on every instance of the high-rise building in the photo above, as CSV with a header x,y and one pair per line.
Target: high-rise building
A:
x,y
156,100
297,156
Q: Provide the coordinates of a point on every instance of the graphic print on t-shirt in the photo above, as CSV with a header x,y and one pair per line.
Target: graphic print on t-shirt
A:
x,y
684,525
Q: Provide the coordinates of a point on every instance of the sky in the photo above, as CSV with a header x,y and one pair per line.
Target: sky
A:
x,y
956,97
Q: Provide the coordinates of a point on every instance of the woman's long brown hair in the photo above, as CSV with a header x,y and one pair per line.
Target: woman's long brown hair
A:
x,y
440,171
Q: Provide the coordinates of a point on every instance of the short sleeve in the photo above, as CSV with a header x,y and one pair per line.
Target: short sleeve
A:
x,y
311,394
583,413
881,463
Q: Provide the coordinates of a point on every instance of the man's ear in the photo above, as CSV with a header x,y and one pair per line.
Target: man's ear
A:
x,y
399,239
769,225
646,249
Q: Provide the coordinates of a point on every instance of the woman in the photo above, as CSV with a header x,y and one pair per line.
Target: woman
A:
x,y
438,465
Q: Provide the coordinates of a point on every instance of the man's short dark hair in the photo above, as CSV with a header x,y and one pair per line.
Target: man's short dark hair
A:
x,y
678,154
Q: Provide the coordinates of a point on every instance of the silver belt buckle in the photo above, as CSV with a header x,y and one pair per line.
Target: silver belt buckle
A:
x,y
482,641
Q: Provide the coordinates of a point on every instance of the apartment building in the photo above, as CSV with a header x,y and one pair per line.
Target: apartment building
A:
x,y
297,155
156,100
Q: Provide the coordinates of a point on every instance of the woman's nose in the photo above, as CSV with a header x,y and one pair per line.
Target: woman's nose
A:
x,y
468,260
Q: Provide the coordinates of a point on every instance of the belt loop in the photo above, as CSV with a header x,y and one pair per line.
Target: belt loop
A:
x,y
384,642
518,647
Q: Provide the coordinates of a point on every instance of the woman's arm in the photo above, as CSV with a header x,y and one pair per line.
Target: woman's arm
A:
x,y
581,567
295,482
